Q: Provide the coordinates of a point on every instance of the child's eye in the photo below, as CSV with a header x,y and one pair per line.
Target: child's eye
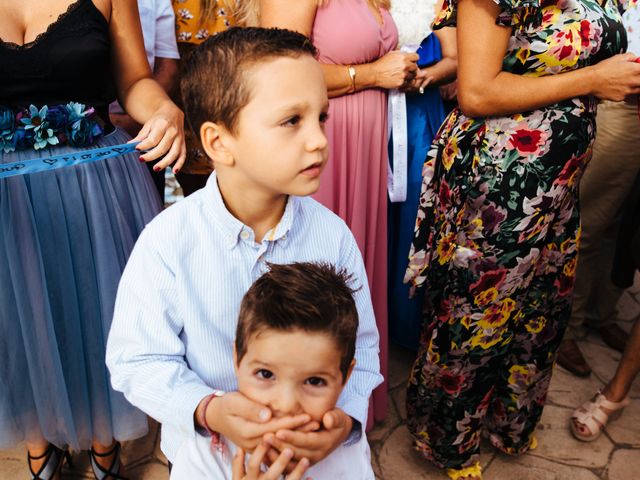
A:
x,y
316,382
324,117
292,121
264,374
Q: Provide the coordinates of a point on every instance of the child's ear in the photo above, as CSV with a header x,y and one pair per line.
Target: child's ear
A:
x,y
214,138
351,366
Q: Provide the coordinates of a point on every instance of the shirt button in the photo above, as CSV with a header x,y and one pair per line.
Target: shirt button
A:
x,y
244,235
284,237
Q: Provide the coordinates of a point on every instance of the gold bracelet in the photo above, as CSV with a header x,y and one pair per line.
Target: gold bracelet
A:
x,y
352,75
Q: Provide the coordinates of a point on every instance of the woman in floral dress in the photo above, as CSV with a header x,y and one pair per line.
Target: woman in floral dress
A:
x,y
498,225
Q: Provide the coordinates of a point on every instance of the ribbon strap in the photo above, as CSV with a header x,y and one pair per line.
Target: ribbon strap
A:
x,y
397,123
65,160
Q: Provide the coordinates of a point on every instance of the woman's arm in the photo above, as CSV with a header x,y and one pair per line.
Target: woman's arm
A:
x,y
297,15
392,70
141,96
485,90
444,71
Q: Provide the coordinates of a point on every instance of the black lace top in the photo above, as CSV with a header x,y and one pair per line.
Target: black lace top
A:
x,y
70,61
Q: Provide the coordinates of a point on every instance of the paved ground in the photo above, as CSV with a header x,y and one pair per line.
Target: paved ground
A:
x,y
614,456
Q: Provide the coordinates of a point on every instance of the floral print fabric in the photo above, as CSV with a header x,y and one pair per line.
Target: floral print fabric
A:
x,y
189,26
496,242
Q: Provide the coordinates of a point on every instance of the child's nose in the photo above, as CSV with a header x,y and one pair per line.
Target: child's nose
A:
x,y
286,403
318,139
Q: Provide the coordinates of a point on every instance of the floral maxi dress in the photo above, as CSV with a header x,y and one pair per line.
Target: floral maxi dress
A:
x,y
496,241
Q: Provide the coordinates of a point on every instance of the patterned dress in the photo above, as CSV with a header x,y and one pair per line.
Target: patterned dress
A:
x,y
190,28
496,241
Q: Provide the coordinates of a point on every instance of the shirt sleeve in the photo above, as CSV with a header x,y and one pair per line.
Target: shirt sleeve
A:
x,y
165,46
517,14
354,400
145,354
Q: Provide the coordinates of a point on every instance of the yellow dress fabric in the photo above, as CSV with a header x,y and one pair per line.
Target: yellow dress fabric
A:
x,y
189,26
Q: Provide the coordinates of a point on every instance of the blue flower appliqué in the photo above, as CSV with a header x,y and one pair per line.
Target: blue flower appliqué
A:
x,y
71,124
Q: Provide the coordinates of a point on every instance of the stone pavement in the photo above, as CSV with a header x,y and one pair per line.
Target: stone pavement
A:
x,y
614,456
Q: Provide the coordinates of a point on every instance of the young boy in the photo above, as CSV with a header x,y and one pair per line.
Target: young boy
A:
x,y
294,352
258,99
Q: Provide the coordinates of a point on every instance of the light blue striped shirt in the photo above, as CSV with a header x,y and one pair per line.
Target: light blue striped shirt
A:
x,y
171,340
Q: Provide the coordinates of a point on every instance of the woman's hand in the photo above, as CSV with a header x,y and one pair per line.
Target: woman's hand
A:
x,y
163,135
276,469
244,421
616,77
421,81
395,69
449,91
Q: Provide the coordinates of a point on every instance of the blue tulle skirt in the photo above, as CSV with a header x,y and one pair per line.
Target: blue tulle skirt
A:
x,y
425,114
66,235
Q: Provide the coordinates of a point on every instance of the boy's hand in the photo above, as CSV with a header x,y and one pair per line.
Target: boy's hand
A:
x,y
244,421
313,445
277,468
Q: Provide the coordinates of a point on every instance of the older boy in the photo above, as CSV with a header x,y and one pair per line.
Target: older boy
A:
x,y
258,99
294,352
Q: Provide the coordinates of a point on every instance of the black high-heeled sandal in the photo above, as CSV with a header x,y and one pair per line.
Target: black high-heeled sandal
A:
x,y
53,463
111,473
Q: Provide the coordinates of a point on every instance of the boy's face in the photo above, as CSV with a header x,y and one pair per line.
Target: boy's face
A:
x,y
279,146
291,372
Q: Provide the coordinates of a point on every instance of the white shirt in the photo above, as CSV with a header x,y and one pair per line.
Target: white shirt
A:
x,y
631,21
197,461
171,340
158,29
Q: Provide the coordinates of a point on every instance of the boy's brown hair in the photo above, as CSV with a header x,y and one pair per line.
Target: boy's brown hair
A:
x,y
212,81
311,297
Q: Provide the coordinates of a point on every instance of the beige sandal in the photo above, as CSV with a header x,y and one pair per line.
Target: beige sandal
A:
x,y
594,418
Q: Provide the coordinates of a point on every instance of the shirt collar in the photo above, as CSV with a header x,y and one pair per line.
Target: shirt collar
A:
x,y
232,227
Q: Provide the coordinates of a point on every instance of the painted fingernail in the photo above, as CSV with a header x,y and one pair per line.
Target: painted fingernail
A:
x,y
141,158
263,415
156,168
176,170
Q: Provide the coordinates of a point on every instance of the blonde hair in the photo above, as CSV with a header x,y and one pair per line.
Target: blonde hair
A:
x,y
248,11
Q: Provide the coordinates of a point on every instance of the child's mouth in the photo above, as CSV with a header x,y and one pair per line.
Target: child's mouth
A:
x,y
312,170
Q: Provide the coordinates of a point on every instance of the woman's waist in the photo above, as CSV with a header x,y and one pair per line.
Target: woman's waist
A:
x,y
38,126
578,109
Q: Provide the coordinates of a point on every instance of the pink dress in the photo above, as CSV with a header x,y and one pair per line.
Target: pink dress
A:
x,y
354,183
